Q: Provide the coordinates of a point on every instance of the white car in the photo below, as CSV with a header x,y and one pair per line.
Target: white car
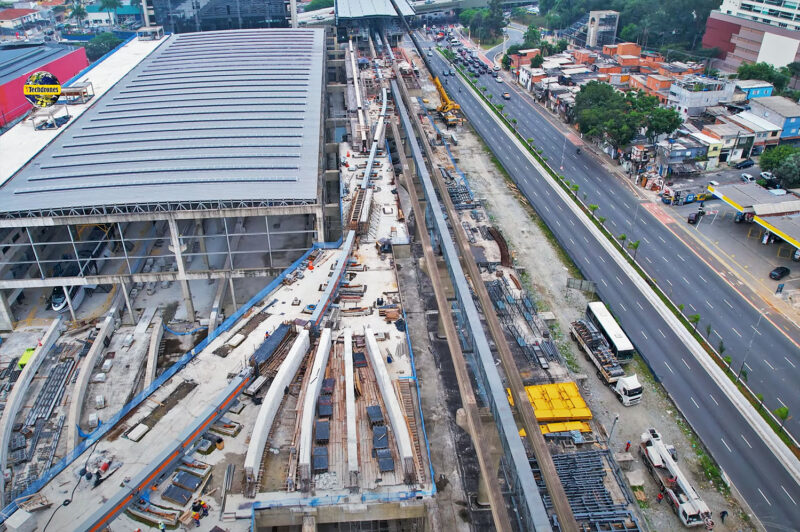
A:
x,y
747,178
766,175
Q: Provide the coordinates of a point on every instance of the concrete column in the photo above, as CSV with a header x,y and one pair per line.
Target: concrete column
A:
x,y
176,249
319,219
125,294
198,229
233,295
6,316
69,302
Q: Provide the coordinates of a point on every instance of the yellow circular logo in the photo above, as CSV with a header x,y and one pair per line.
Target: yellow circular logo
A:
x,y
42,89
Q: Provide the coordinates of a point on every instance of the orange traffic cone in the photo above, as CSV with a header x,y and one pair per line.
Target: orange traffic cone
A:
x,y
348,154
310,265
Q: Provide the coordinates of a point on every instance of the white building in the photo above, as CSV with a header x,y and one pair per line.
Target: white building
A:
x,y
780,13
691,95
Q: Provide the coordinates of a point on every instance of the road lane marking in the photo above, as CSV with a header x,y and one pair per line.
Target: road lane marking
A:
x,y
643,334
684,280
692,307
745,440
790,362
737,332
648,260
712,398
709,304
618,279
728,303
645,240
573,223
573,242
613,223
768,364
725,444
669,368
718,334
669,282
662,333
765,497
640,305
586,239
558,223
601,258
547,208
685,364
623,307
787,494
755,330
695,402
665,259
679,256
748,366
662,240
781,401
604,282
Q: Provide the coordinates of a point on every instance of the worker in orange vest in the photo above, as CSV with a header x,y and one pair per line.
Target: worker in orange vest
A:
x,y
196,518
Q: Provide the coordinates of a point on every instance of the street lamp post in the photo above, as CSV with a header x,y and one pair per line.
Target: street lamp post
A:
x,y
611,432
750,344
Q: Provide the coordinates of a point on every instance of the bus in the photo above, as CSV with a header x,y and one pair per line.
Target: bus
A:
x,y
621,346
92,259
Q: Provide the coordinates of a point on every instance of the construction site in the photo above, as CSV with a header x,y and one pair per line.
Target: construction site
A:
x,y
271,338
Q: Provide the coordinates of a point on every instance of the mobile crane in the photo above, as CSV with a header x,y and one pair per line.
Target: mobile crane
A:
x,y
661,461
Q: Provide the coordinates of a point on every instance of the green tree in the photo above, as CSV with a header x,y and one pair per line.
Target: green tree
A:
x,y
318,4
537,61
779,77
622,238
531,37
110,6
506,62
661,121
789,171
694,319
782,413
772,158
631,32
635,247
101,45
79,13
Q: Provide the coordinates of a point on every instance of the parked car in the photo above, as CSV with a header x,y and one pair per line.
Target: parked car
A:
x,y
766,175
506,96
496,68
693,218
498,79
747,178
494,74
747,163
779,273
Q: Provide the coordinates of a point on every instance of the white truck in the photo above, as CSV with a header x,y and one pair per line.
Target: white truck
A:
x,y
594,345
661,460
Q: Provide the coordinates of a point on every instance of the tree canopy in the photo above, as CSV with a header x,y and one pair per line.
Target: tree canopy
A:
x,y
318,4
789,171
604,113
101,45
779,77
484,23
772,158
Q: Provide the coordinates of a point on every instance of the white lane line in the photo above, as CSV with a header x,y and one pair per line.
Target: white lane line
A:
x,y
601,258
780,401
701,277
534,193
573,242
662,240
648,260
712,398
737,332
787,494
623,307
643,334
665,259
765,497
709,304
755,330
669,368
748,366
645,240
726,445
604,282
613,223
618,279
790,362
685,364
692,307
745,440
640,305
728,303
679,256
587,240
669,282
547,208
695,402
573,223
585,166
685,280
718,334
662,333
768,364
558,223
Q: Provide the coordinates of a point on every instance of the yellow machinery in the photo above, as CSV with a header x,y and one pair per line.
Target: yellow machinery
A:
x,y
448,107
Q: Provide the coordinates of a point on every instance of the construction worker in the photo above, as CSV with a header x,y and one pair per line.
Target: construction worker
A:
x,y
660,497
196,518
204,508
161,525
722,515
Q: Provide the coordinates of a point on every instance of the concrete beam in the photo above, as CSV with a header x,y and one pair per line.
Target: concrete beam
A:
x,y
350,409
174,236
314,380
6,315
47,221
152,351
17,395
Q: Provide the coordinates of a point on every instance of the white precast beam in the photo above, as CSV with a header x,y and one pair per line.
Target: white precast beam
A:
x,y
272,401
350,407
396,416
309,401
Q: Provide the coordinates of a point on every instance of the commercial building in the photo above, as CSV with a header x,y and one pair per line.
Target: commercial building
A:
x,y
766,133
780,13
212,143
692,94
601,28
781,112
127,14
745,40
20,60
15,19
359,17
182,16
754,88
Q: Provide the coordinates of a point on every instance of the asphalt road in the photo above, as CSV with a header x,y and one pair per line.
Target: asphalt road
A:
x,y
772,354
768,488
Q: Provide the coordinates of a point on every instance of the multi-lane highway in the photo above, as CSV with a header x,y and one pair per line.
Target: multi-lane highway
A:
x,y
763,481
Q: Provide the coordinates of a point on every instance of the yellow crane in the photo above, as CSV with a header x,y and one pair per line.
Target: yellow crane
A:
x,y
448,107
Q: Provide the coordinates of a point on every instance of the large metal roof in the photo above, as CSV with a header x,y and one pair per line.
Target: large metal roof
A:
x,y
232,115
371,8
20,59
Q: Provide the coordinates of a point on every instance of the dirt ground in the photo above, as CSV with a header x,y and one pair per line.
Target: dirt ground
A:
x,y
546,272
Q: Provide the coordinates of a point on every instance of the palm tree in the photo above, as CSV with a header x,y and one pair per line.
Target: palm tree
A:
x,y
634,246
110,5
79,13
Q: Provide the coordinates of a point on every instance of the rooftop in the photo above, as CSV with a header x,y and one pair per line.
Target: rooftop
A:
x,y
121,10
778,104
13,14
753,122
752,83
241,118
371,8
727,130
19,60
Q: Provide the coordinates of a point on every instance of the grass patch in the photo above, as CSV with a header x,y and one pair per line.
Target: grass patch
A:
x,y
529,18
709,349
642,501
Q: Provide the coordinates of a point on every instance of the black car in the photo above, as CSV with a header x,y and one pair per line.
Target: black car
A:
x,y
779,273
747,163
693,218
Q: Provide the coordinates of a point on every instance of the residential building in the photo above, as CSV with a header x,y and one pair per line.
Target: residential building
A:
x,y
16,19
780,13
182,16
781,112
678,157
744,40
713,148
754,88
692,94
126,14
766,133
737,142
654,85
601,28
524,57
